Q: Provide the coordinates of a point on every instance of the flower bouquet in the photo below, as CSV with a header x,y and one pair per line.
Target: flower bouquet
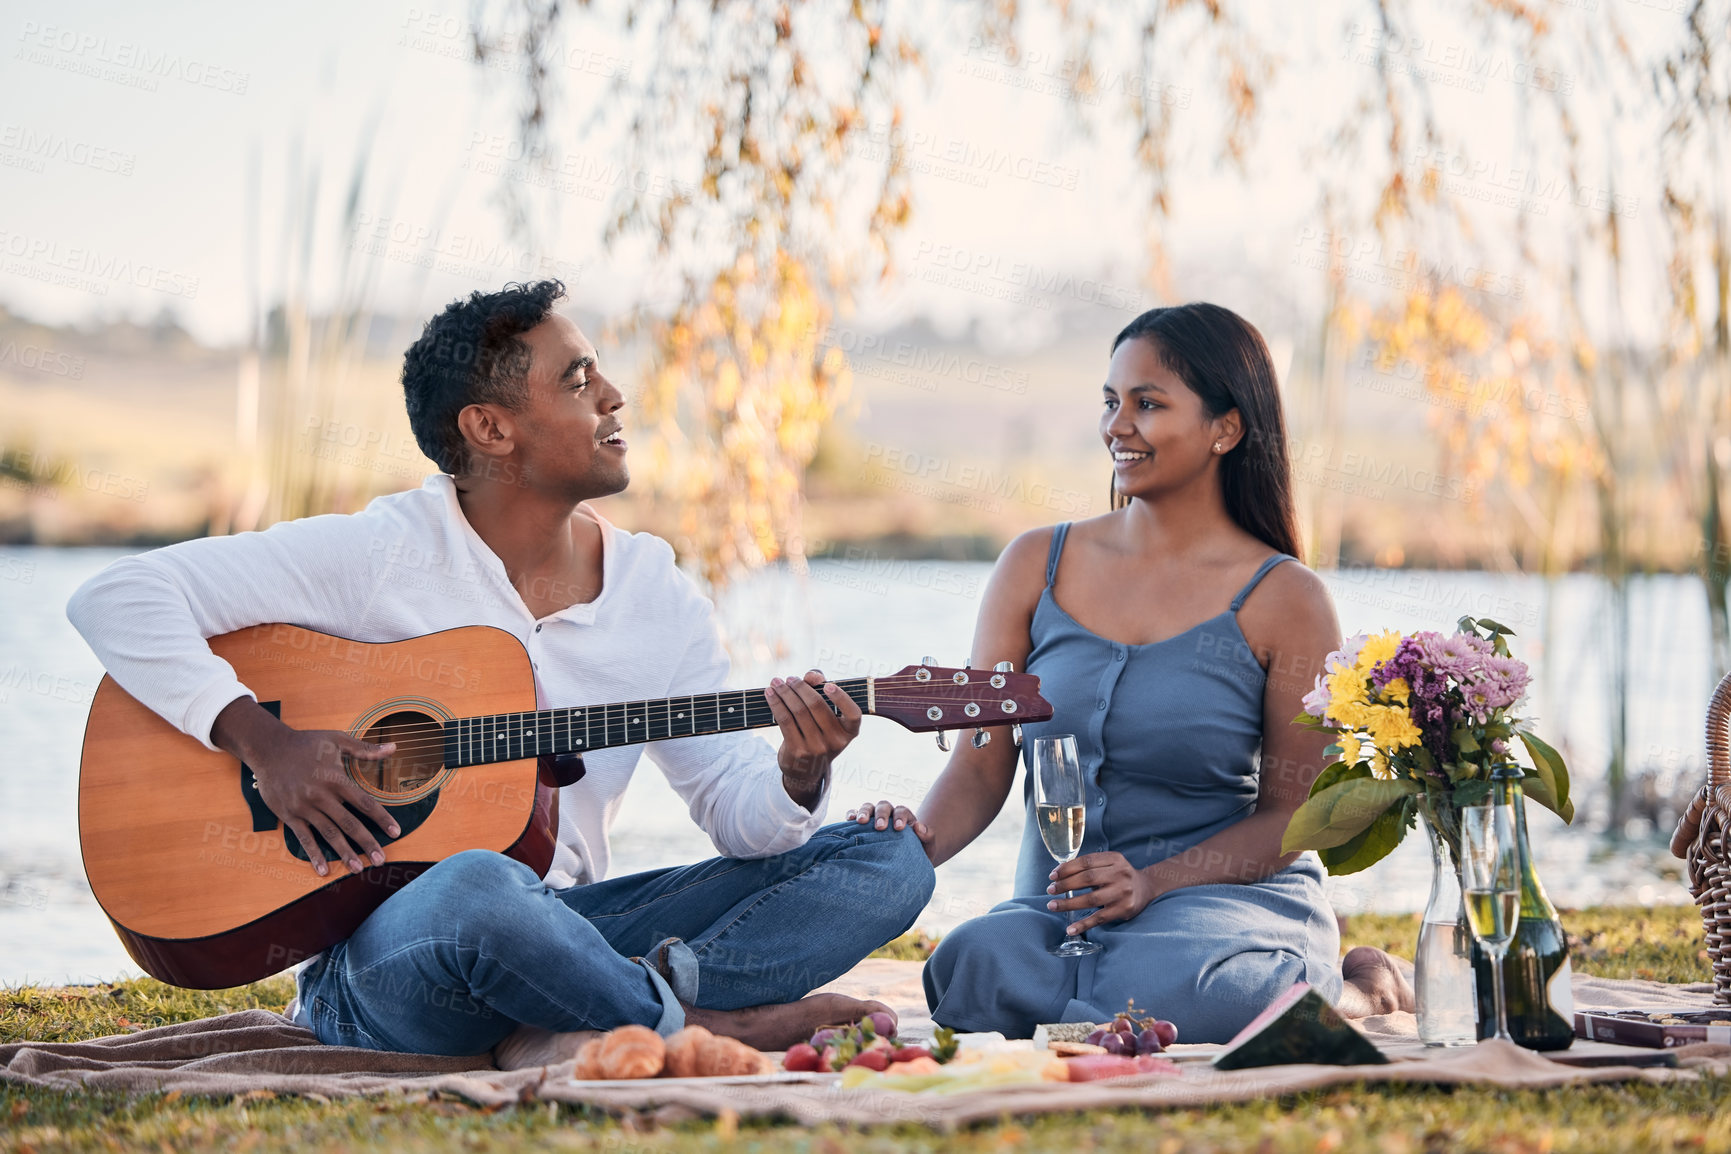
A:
x,y
1420,721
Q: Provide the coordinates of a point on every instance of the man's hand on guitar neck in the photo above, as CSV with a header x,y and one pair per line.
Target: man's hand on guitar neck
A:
x,y
811,733
301,776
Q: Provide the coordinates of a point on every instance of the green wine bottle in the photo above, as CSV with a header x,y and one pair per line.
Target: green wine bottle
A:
x,y
1536,972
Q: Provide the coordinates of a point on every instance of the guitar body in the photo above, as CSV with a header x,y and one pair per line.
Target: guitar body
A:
x,y
193,870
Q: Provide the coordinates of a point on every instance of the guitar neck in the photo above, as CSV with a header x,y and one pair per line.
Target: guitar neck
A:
x,y
580,729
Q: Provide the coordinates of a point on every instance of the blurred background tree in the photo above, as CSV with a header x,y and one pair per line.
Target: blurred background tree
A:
x,y
1539,395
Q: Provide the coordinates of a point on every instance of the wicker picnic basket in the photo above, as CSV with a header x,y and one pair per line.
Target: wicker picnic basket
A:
x,y
1703,839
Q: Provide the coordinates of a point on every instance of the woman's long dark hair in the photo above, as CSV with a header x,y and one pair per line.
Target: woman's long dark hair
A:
x,y
1223,359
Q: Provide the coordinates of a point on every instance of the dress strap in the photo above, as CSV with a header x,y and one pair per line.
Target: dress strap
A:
x,y
1238,601
1059,532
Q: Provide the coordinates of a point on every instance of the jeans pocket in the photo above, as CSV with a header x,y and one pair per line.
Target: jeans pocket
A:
x,y
334,1030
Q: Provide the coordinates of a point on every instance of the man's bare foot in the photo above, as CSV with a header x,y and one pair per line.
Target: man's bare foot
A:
x,y
529,1046
777,1027
1374,983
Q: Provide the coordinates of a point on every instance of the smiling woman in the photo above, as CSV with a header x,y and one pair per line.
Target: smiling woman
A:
x,y
1179,694
1221,368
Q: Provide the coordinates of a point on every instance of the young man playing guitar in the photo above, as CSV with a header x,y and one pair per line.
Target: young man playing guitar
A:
x,y
478,953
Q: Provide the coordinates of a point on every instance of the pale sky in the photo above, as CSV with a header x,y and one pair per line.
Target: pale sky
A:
x,y
126,133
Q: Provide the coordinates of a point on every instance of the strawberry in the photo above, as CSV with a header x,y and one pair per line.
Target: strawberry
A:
x,y
872,1059
801,1057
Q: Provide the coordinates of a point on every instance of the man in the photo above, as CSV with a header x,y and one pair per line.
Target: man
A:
x,y
509,398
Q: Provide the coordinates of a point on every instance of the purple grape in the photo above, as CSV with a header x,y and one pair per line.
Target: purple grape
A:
x,y
1166,1031
1148,1042
1122,1026
822,1038
1114,1043
884,1024
1097,1037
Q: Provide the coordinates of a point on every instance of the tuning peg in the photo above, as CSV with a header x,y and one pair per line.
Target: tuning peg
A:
x,y
1005,667
1016,735
943,741
981,738
928,661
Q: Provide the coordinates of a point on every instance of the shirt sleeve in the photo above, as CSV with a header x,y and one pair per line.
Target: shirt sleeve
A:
x,y
731,782
147,616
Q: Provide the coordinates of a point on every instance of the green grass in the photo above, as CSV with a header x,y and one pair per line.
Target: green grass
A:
x,y
1664,944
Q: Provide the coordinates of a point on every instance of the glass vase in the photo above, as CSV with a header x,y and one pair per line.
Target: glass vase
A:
x,y
1443,990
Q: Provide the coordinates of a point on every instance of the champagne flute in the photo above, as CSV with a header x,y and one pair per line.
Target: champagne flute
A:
x,y
1491,887
1058,807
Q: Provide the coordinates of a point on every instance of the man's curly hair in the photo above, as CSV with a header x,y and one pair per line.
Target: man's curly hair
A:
x,y
470,354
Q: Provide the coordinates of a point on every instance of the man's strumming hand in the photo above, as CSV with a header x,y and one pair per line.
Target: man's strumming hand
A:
x,y
303,779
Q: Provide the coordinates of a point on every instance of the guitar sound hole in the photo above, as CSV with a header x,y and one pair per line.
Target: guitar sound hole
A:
x,y
420,755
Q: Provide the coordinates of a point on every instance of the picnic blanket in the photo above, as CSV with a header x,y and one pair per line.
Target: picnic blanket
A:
x,y
257,1051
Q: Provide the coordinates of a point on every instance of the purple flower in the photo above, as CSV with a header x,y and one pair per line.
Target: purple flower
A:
x,y
1456,655
1316,701
1414,661
1494,683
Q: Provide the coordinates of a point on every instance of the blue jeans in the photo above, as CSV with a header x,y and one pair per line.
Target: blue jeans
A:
x,y
455,960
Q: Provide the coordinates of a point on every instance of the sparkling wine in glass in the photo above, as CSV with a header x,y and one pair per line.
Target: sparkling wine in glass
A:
x,y
1058,807
1491,887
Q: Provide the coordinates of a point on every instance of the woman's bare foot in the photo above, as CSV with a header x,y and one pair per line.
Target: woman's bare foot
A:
x,y
1375,983
777,1027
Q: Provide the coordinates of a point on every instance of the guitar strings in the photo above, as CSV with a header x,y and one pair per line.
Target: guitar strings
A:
x,y
425,747
655,717
752,699
658,709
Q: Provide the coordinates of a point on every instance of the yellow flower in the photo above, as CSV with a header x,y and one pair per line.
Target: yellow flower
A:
x,y
1353,714
1379,767
1349,750
1345,687
1398,690
1377,650
1391,727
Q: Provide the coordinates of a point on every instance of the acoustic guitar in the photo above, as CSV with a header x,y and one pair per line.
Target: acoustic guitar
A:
x,y
207,889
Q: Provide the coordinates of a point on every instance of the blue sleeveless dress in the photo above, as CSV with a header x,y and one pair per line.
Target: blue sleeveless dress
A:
x,y
1169,736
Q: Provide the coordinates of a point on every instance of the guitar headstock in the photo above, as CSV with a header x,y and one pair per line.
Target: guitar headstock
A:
x,y
962,698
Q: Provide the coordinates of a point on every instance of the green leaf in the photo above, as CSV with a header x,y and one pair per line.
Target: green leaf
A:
x,y
1375,843
1341,812
1336,772
1464,740
1460,771
1471,793
1487,624
1548,784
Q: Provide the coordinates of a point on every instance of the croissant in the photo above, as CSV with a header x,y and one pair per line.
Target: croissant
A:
x,y
628,1052
694,1052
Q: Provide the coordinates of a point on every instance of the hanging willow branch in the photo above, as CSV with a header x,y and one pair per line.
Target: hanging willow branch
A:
x,y
774,137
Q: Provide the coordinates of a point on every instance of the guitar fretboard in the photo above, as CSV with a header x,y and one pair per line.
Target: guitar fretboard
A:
x,y
511,736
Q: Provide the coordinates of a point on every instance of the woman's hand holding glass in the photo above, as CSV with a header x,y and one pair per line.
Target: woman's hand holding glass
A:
x,y
1119,889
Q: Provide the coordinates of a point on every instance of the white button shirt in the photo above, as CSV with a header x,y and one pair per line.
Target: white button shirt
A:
x,y
410,564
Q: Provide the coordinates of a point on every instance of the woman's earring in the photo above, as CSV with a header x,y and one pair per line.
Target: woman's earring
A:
x,y
1216,446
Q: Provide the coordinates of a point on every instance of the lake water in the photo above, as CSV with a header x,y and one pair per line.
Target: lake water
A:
x,y
865,615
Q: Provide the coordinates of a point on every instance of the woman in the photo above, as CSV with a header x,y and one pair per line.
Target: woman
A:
x,y
1175,637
